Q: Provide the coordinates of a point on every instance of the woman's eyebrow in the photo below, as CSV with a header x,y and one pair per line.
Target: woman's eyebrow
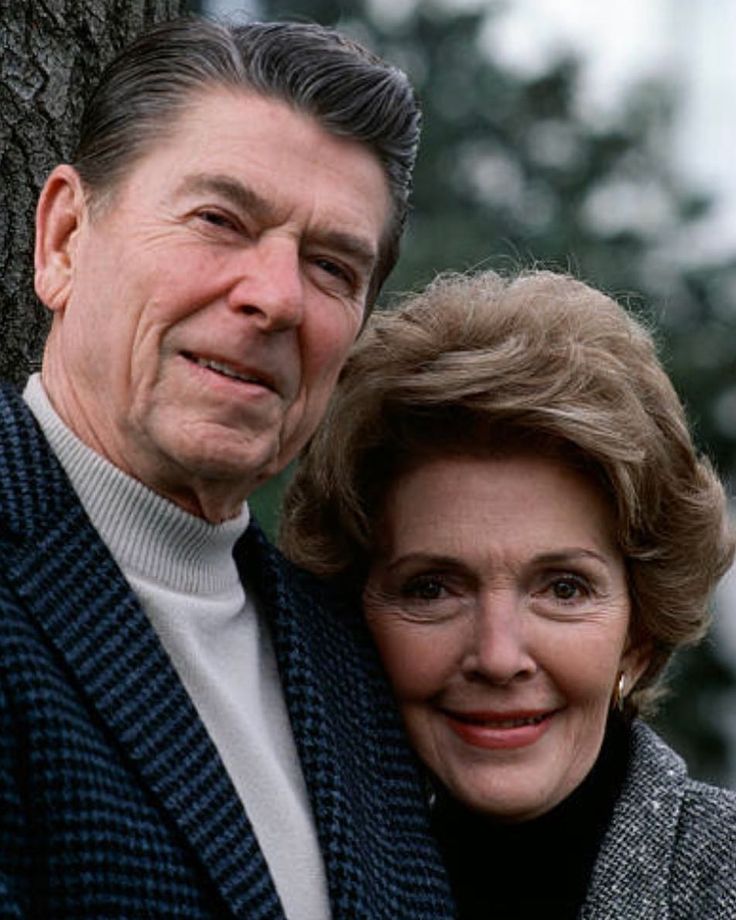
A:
x,y
569,554
420,558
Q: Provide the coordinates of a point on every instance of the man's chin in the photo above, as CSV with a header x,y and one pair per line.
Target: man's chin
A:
x,y
216,462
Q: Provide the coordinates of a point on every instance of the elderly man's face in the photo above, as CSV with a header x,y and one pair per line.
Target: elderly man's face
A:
x,y
203,315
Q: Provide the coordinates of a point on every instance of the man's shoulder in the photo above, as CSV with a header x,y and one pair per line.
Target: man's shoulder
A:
x,y
34,490
20,436
278,579
317,626
16,419
47,548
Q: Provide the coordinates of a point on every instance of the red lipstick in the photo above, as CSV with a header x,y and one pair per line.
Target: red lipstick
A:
x,y
499,730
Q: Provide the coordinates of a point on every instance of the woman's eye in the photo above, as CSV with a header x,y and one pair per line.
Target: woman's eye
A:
x,y
568,588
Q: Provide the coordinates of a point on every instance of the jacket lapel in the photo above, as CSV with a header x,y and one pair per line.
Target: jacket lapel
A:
x,y
78,597
297,634
632,875
361,780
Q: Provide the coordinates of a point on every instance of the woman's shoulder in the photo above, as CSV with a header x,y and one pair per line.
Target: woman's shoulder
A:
x,y
703,870
701,810
708,819
702,867
652,755
706,806
670,849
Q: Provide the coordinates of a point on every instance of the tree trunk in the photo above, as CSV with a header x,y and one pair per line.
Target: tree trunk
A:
x,y
51,53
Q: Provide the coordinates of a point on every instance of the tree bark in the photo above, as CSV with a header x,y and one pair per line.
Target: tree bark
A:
x,y
51,54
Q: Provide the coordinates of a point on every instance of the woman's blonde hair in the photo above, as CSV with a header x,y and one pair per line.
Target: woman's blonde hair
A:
x,y
481,363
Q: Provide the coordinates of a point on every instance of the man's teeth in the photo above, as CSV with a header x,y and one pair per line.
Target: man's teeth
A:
x,y
225,370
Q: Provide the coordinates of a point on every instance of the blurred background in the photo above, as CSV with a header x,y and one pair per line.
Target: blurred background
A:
x,y
599,139
591,137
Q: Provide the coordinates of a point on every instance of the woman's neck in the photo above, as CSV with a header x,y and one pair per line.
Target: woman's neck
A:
x,y
534,868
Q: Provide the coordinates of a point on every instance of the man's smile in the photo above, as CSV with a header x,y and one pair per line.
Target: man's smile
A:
x,y
233,371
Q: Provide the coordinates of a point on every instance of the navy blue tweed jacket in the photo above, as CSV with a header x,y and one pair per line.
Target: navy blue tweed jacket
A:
x,y
113,800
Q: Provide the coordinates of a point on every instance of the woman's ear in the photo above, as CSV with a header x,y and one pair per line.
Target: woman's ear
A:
x,y
635,661
61,211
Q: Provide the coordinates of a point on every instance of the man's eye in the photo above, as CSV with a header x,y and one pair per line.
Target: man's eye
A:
x,y
217,219
335,270
425,589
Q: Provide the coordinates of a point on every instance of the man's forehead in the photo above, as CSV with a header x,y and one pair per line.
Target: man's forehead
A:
x,y
214,104
242,114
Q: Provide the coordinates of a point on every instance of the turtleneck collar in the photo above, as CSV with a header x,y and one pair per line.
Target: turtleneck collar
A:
x,y
534,868
146,533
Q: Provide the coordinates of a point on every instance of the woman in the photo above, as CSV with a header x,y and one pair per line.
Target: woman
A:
x,y
508,475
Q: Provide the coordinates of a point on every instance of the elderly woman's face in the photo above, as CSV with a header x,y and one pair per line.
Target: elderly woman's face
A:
x,y
499,602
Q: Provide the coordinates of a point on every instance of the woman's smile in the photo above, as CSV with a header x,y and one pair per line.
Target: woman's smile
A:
x,y
499,602
499,731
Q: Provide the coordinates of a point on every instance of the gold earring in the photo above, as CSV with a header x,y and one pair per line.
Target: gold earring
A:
x,y
619,692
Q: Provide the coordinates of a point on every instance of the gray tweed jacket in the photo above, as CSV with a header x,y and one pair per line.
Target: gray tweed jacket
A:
x,y
670,852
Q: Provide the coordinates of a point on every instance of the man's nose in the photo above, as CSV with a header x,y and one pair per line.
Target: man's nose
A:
x,y
269,286
498,648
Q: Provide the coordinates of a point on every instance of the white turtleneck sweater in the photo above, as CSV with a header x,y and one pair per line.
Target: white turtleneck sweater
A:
x,y
182,569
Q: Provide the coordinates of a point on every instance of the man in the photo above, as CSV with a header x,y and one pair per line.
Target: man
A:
x,y
189,727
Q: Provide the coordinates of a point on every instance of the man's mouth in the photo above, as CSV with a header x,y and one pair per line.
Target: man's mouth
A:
x,y
228,370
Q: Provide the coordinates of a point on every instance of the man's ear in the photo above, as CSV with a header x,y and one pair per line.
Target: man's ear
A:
x,y
61,211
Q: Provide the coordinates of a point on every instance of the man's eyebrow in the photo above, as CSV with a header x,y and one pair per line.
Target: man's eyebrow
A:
x,y
240,195
359,248
356,247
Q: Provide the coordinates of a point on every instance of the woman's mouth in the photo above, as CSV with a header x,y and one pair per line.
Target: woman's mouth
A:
x,y
493,730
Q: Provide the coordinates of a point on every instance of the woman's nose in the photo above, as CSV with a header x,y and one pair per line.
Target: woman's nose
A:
x,y
498,649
